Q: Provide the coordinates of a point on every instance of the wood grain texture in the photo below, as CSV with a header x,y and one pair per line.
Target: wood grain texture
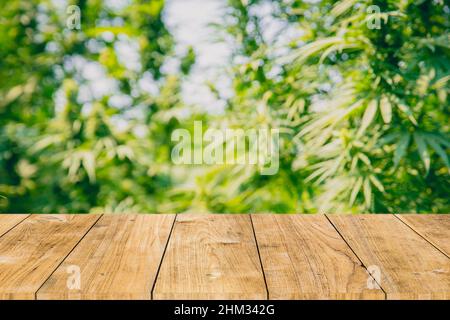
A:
x,y
434,227
304,257
118,259
9,221
411,268
211,257
32,250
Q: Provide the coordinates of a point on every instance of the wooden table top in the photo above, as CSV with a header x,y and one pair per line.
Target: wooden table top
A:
x,y
224,256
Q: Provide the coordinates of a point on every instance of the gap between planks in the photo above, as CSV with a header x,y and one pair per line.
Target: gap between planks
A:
x,y
63,260
34,247
404,219
15,220
409,266
362,263
211,257
118,259
299,257
259,256
162,257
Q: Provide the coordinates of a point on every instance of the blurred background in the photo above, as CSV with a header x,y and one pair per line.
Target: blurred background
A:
x,y
358,89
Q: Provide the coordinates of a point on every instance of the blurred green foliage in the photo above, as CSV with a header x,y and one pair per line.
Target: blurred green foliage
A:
x,y
363,112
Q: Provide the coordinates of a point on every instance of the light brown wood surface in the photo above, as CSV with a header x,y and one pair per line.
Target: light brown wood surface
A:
x,y
411,268
32,250
118,259
211,257
435,228
304,257
9,221
224,256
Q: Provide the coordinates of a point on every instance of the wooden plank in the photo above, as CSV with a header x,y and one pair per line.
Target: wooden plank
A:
x,y
304,257
211,257
410,267
31,252
9,221
117,259
434,227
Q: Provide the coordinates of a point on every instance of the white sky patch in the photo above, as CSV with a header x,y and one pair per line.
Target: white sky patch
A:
x,y
140,130
319,104
128,53
92,77
97,84
117,5
188,21
120,101
148,84
60,100
171,66
120,124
